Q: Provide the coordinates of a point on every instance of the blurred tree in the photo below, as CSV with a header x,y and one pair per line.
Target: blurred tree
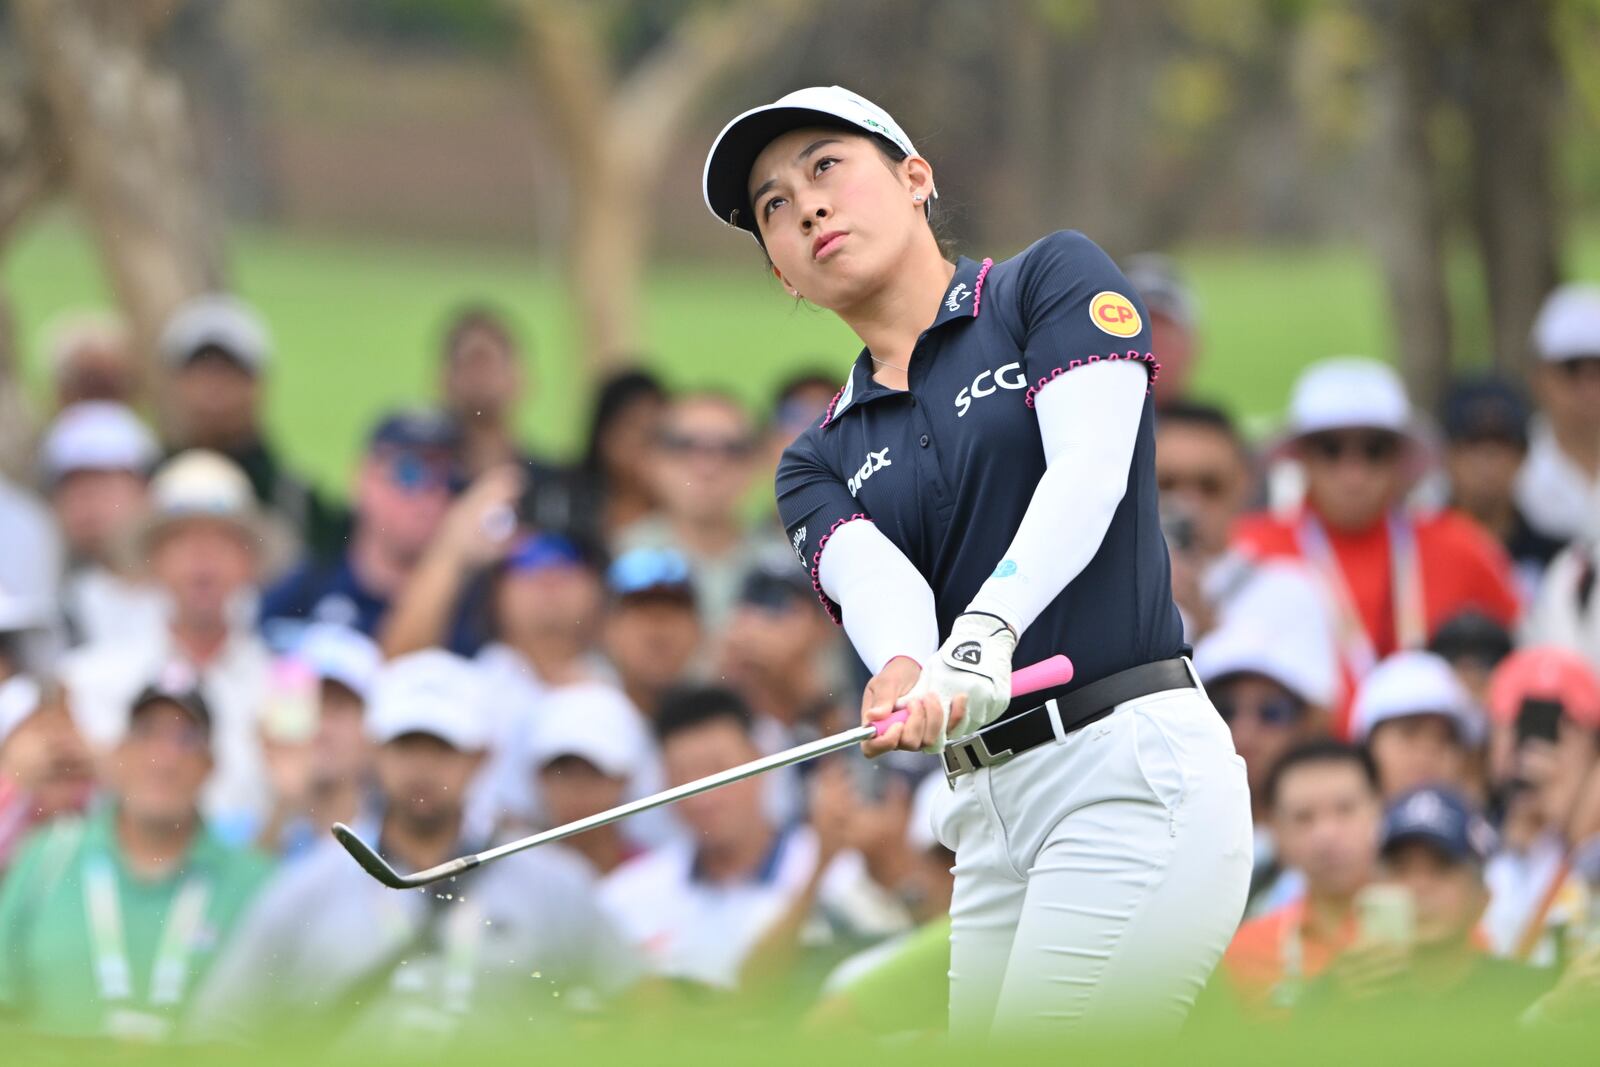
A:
x,y
618,81
29,173
119,119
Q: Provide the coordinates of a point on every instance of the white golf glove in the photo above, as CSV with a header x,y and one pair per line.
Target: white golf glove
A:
x,y
975,662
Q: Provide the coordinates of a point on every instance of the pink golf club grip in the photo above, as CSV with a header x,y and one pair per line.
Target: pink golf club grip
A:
x,y
1046,674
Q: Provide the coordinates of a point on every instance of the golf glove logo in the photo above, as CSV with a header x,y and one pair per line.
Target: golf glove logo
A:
x,y
975,662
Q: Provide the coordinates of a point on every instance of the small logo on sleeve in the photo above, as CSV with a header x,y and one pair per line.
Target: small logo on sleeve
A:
x,y
1006,569
799,543
969,652
1115,314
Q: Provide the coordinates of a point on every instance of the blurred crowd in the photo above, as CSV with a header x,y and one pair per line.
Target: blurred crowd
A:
x,y
205,663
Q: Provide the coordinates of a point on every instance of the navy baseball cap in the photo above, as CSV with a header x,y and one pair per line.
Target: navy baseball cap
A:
x,y
775,584
1486,409
542,551
727,174
1443,820
416,430
657,571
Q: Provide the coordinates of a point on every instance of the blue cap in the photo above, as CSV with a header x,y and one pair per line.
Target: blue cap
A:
x,y
1478,409
650,570
541,551
1440,818
416,430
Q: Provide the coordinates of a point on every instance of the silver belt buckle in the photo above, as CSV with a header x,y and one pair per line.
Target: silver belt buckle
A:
x,y
971,752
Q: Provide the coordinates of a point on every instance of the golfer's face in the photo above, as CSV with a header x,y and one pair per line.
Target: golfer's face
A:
x,y
833,213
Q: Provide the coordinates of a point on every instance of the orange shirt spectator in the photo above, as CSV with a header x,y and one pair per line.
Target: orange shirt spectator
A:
x,y
1274,955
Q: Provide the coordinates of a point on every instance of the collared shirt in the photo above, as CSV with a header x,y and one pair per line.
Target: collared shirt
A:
x,y
49,953
326,945
1556,495
947,467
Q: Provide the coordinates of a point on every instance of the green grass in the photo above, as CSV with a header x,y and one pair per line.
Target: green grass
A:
x,y
355,324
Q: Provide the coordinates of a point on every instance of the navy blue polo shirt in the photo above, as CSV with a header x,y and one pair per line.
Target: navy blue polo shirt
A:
x,y
947,467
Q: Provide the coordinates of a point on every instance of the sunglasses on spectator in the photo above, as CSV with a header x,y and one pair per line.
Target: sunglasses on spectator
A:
x,y
1580,368
1275,711
730,449
1373,447
1209,485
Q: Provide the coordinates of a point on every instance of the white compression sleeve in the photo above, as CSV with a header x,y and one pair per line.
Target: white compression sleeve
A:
x,y
1089,420
886,603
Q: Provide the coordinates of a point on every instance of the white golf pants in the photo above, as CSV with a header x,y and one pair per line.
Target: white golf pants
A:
x,y
1098,879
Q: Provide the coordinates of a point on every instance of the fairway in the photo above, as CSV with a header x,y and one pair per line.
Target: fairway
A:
x,y
355,324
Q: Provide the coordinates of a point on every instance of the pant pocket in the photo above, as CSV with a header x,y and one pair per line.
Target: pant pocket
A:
x,y
1158,760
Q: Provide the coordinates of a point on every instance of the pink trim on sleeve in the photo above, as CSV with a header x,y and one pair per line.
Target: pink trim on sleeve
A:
x,y
1147,358
977,286
816,566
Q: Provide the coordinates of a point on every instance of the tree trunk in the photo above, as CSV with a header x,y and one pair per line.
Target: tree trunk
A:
x,y
128,151
1512,103
1407,213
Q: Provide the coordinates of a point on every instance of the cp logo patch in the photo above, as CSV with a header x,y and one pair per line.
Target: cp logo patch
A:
x,y
1115,314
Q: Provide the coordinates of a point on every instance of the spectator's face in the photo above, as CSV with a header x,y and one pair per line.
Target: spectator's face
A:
x,y
1326,821
203,565
793,417
98,371
46,756
1569,393
161,764
482,378
572,788
1174,345
1449,894
1352,476
724,816
343,753
651,641
629,442
402,495
424,779
216,402
1482,473
767,643
704,460
1418,750
1202,476
552,601
94,507
1556,771
1264,718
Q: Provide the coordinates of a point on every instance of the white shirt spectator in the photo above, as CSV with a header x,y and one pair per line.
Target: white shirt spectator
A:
x,y
101,605
1554,494
1566,611
31,556
1518,882
525,930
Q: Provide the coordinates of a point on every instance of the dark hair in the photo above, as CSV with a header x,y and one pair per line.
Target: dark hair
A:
x,y
689,706
1204,416
1321,750
616,394
475,318
811,378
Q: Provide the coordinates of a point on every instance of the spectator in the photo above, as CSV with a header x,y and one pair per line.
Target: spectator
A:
x,y
401,494
588,750
336,954
94,463
206,542
44,765
1419,723
26,642
1322,801
697,907
652,633
481,377
801,400
1473,644
1566,611
616,464
91,358
1432,861
1204,475
1559,486
1486,435
216,352
1545,708
1274,693
1394,577
31,565
702,464
109,925
314,738
1172,323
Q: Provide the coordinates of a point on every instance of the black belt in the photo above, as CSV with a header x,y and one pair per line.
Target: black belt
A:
x,y
1027,722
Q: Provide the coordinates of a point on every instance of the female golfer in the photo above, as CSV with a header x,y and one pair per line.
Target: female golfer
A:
x,y
986,476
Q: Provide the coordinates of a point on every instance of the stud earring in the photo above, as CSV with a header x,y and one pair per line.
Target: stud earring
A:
x,y
917,198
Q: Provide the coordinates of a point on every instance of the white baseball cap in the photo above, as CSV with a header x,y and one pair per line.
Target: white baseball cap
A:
x,y
1303,667
339,654
1349,392
1568,326
593,721
201,484
216,320
96,435
1414,683
727,173
20,697
430,692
